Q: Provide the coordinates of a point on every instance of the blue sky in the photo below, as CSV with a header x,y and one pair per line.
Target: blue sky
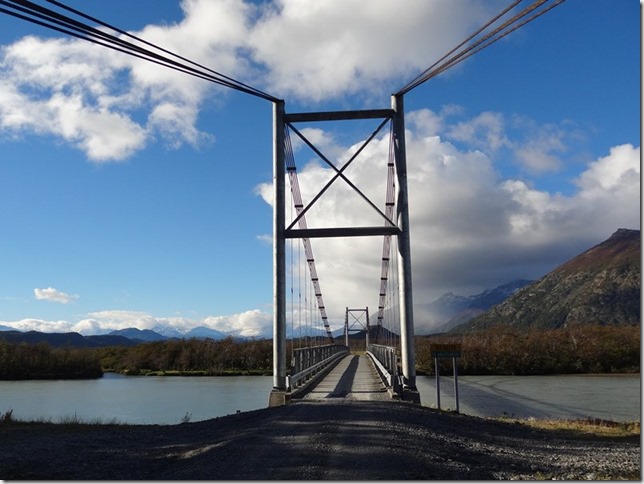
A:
x,y
134,197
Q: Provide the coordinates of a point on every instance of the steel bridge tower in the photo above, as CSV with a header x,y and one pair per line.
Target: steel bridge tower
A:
x,y
399,229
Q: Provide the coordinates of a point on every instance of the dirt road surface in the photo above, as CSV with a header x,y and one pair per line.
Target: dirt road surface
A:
x,y
333,439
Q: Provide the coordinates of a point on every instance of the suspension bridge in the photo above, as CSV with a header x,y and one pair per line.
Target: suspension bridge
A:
x,y
308,362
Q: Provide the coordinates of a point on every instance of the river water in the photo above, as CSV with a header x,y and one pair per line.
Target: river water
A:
x,y
169,400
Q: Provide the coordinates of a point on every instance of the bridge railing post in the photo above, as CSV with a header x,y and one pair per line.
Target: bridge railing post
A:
x,y
312,360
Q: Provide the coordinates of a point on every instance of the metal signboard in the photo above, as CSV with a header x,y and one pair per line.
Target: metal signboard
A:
x,y
443,350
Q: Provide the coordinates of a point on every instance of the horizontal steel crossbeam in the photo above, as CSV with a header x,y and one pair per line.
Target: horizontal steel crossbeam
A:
x,y
338,115
340,232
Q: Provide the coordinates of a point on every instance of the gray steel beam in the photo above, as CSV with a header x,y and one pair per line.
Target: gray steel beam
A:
x,y
338,115
340,232
279,258
404,250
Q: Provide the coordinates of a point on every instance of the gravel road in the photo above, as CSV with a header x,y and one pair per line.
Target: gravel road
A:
x,y
335,439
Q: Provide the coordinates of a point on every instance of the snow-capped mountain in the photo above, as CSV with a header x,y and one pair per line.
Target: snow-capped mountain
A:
x,y
140,334
205,332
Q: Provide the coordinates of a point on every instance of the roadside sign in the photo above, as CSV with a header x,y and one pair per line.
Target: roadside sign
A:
x,y
443,350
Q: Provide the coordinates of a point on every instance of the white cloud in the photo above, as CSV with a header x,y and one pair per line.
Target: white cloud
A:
x,y
613,174
54,295
110,105
31,324
114,319
486,131
253,323
538,153
537,149
316,50
471,229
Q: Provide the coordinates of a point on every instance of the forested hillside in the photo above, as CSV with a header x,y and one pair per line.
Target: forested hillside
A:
x,y
601,286
502,350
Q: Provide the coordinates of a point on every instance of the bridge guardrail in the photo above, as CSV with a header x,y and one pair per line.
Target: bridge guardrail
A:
x,y
387,361
308,361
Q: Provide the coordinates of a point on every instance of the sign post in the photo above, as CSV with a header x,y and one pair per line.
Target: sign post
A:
x,y
441,350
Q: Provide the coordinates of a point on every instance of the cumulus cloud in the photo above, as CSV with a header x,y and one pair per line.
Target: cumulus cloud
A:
x,y
485,131
316,50
62,87
54,295
253,323
471,228
32,324
110,105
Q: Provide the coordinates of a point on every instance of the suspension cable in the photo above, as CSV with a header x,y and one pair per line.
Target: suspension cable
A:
x,y
386,244
482,43
37,14
291,170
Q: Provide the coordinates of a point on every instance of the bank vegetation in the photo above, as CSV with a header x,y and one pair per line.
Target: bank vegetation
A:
x,y
496,351
502,350
24,361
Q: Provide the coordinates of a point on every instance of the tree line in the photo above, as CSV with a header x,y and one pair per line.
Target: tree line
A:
x,y
190,356
502,350
23,361
497,351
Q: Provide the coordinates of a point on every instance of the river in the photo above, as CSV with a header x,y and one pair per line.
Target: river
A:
x,y
170,400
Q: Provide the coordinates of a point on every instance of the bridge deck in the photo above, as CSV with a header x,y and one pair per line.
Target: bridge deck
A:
x,y
354,378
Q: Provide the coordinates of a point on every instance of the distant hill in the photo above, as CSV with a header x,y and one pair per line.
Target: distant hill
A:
x,y
600,286
57,340
451,310
120,337
111,340
138,334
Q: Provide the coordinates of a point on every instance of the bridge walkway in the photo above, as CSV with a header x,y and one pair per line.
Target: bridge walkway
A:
x,y
354,378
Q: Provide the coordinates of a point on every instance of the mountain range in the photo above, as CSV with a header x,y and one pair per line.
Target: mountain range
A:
x,y
120,337
599,286
451,310
128,336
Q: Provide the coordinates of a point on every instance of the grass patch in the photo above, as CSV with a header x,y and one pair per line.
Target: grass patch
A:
x,y
7,418
585,426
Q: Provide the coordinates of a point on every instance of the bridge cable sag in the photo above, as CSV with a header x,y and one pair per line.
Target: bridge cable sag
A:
x,y
37,14
487,40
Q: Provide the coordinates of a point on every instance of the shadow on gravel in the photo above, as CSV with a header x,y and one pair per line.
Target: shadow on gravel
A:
x,y
311,440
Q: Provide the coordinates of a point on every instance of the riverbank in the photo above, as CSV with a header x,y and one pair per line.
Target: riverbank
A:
x,y
310,440
191,372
